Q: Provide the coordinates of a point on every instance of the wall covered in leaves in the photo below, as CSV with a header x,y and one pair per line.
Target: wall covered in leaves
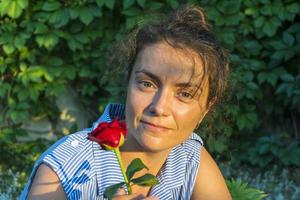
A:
x,y
49,48
260,122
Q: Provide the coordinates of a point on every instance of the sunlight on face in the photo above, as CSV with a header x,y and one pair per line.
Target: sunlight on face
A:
x,y
164,102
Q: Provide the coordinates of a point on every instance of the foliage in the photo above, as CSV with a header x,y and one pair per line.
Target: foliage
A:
x,y
277,182
49,46
263,38
270,149
24,153
240,191
17,159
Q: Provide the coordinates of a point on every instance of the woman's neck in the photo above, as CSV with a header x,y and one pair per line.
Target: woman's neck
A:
x,y
153,160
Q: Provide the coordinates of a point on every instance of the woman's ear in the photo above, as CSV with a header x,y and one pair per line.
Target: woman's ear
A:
x,y
210,104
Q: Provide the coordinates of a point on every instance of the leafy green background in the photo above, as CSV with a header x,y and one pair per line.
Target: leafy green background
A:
x,y
48,48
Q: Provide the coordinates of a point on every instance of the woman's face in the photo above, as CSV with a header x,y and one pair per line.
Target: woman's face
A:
x,y
163,103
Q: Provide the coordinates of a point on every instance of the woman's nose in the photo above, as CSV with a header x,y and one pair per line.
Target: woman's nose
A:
x,y
161,102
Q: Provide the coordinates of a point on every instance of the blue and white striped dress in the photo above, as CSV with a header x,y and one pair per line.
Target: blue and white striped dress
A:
x,y
85,169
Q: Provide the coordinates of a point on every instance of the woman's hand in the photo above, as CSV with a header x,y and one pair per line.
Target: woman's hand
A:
x,y
121,195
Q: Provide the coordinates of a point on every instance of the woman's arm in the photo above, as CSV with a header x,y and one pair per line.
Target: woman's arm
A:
x,y
210,184
45,185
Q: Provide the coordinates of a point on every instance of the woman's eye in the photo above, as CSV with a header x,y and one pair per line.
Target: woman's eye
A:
x,y
185,95
146,84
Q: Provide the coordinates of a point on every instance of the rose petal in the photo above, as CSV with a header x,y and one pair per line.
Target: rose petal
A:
x,y
109,134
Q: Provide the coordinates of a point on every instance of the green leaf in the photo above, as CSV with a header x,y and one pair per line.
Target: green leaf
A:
x,y
152,5
252,117
4,87
19,41
234,19
8,49
259,22
251,11
87,14
70,72
128,3
23,95
23,67
74,45
270,26
18,115
293,8
48,77
141,3
229,7
173,3
100,3
252,46
34,92
278,45
135,166
248,76
220,144
47,40
35,74
282,88
51,6
131,12
266,10
241,191
111,190
131,22
288,39
270,77
55,61
23,3
14,8
23,106
82,38
145,180
4,4
40,28
110,4
252,85
74,13
287,77
59,18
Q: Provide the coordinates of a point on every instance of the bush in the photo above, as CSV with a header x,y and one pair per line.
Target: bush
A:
x,y
48,47
240,191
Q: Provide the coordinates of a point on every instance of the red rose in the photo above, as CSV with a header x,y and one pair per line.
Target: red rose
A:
x,y
110,135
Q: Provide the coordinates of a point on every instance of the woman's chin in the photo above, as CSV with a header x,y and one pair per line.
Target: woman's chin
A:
x,y
151,143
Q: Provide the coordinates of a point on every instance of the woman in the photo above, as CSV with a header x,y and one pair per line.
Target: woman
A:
x,y
177,71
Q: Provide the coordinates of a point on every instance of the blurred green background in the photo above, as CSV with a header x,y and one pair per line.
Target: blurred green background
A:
x,y
55,79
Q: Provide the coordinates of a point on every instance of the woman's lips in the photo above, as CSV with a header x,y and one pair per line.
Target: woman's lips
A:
x,y
153,127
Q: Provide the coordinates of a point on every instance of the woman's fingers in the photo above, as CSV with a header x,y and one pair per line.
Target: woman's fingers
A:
x,y
151,198
120,192
130,197
121,195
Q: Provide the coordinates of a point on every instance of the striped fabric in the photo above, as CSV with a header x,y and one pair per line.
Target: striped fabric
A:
x,y
85,169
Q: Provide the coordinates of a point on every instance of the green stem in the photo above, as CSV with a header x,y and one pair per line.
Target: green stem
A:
x,y
118,154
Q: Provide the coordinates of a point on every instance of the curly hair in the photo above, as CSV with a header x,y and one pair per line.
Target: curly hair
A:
x,y
185,28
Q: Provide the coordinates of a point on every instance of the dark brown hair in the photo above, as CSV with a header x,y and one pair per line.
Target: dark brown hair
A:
x,y
186,28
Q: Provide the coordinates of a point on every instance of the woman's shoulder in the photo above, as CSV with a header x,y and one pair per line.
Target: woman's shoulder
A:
x,y
193,146
68,147
71,158
194,139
